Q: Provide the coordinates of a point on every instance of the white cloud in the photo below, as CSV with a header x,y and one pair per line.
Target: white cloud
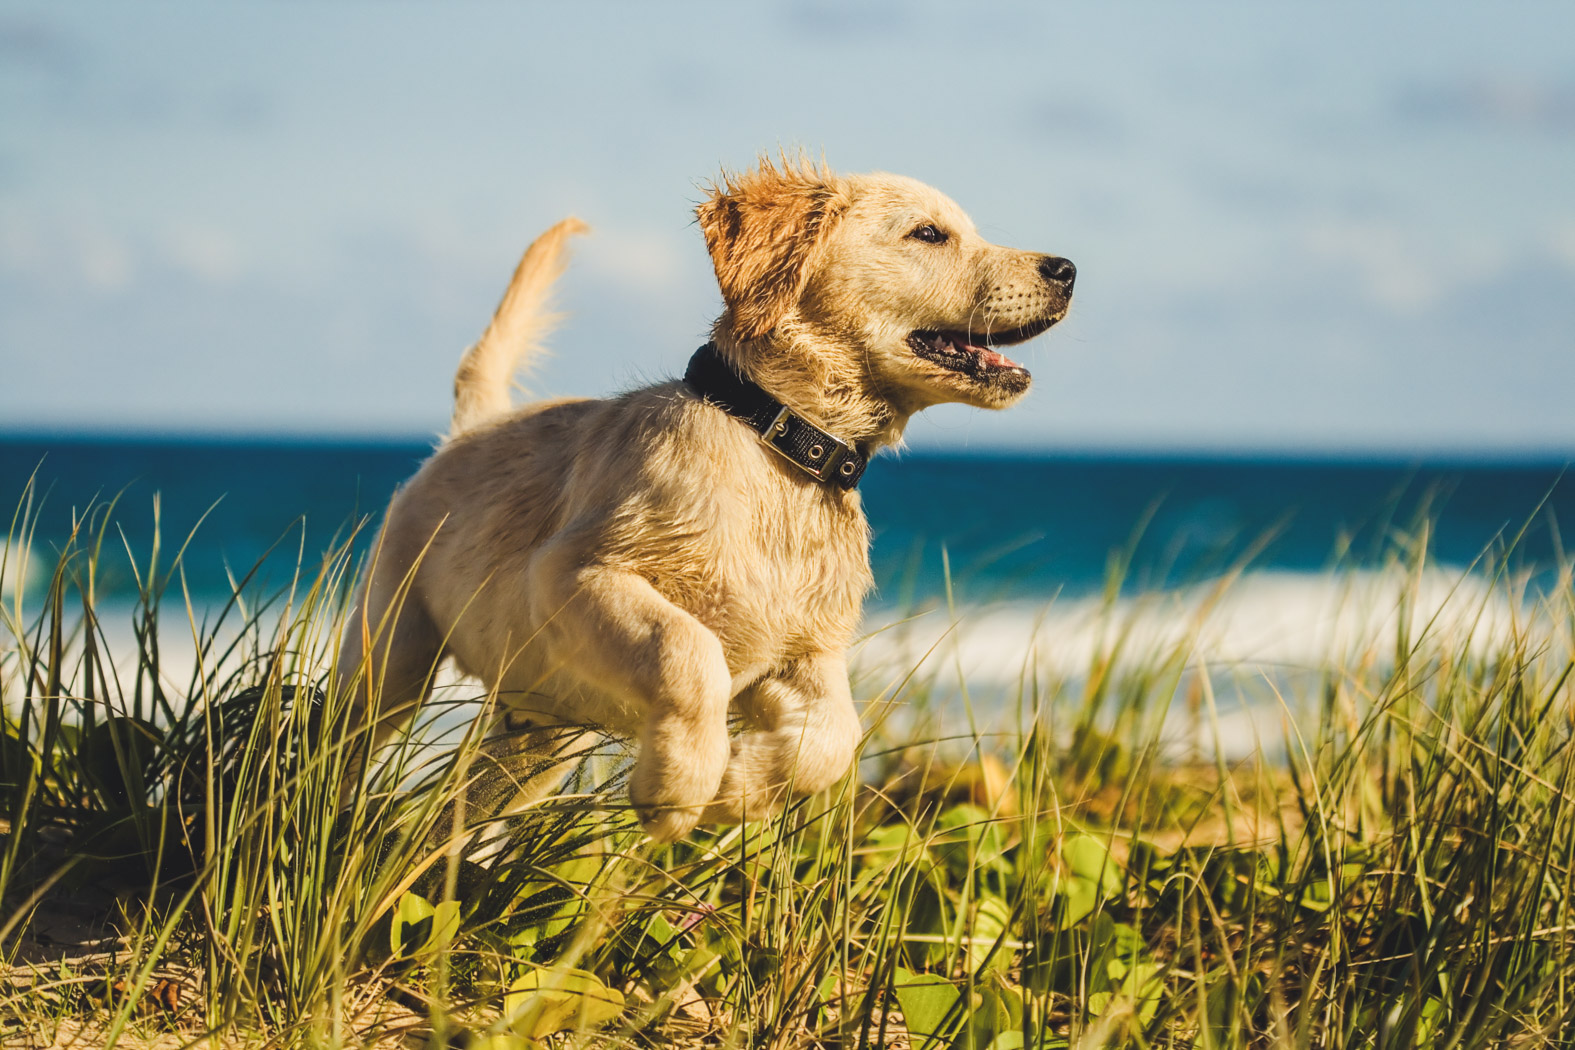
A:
x,y
1561,242
1403,269
645,262
207,254
98,256
105,260
70,251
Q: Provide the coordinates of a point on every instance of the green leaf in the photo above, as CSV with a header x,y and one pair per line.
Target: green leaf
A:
x,y
1143,986
826,991
990,921
926,999
1114,943
970,840
1316,896
661,931
1088,858
1432,1014
1076,899
445,926
1011,999
1132,990
886,846
504,1041
546,1001
997,1020
419,928
412,924
1092,875
704,967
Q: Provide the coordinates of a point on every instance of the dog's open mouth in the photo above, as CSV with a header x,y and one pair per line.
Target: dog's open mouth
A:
x,y
974,354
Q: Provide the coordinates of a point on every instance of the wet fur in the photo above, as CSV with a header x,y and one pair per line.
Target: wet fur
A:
x,y
643,563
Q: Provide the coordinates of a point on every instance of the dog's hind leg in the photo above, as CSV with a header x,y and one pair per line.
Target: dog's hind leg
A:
x,y
386,659
517,765
520,763
808,737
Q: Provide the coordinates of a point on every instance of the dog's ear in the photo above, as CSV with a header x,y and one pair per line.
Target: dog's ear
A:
x,y
766,230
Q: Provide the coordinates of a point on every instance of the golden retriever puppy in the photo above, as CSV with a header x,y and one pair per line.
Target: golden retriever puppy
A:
x,y
655,562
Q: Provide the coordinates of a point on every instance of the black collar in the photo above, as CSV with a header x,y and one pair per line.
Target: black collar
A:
x,y
820,455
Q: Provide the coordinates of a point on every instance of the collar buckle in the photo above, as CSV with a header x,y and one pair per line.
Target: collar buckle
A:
x,y
806,446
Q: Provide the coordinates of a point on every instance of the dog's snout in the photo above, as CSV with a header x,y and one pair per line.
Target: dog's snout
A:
x,y
1056,270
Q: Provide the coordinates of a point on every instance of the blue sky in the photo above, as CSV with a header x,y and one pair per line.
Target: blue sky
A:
x,y
1345,227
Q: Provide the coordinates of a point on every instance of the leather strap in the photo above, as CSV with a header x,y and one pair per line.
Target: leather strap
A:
x,y
823,457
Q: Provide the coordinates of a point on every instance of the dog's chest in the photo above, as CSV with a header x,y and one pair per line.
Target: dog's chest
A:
x,y
790,579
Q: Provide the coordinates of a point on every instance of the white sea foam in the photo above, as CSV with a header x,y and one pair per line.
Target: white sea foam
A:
x,y
1262,638
1275,619
1263,627
19,574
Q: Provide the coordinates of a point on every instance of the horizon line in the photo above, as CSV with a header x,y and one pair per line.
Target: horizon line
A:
x,y
1090,450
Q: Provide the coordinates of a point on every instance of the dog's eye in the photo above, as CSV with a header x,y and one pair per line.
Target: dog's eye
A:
x,y
928,234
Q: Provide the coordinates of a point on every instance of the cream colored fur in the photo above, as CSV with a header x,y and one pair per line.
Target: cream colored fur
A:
x,y
486,372
644,563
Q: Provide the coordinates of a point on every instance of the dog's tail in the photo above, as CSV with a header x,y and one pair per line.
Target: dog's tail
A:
x,y
486,372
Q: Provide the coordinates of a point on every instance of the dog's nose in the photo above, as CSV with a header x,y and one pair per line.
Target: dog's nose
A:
x,y
1057,270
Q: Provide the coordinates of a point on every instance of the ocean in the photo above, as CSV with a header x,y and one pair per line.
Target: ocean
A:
x,y
996,527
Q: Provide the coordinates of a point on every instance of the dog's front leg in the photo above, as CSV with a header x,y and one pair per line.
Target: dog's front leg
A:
x,y
808,736
613,630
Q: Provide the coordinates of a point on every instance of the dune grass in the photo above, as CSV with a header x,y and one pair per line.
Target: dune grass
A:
x,y
189,856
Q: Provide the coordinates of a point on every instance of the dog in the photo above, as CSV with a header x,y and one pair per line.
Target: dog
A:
x,y
655,563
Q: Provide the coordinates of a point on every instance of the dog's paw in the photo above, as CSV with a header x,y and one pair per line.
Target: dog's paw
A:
x,y
675,777
667,823
666,810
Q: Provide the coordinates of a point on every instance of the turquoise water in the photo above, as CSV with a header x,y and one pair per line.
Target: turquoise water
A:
x,y
1010,526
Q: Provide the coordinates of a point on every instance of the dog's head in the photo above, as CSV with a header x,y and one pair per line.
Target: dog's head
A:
x,y
884,276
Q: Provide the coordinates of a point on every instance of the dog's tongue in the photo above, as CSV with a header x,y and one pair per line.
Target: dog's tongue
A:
x,y
993,359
